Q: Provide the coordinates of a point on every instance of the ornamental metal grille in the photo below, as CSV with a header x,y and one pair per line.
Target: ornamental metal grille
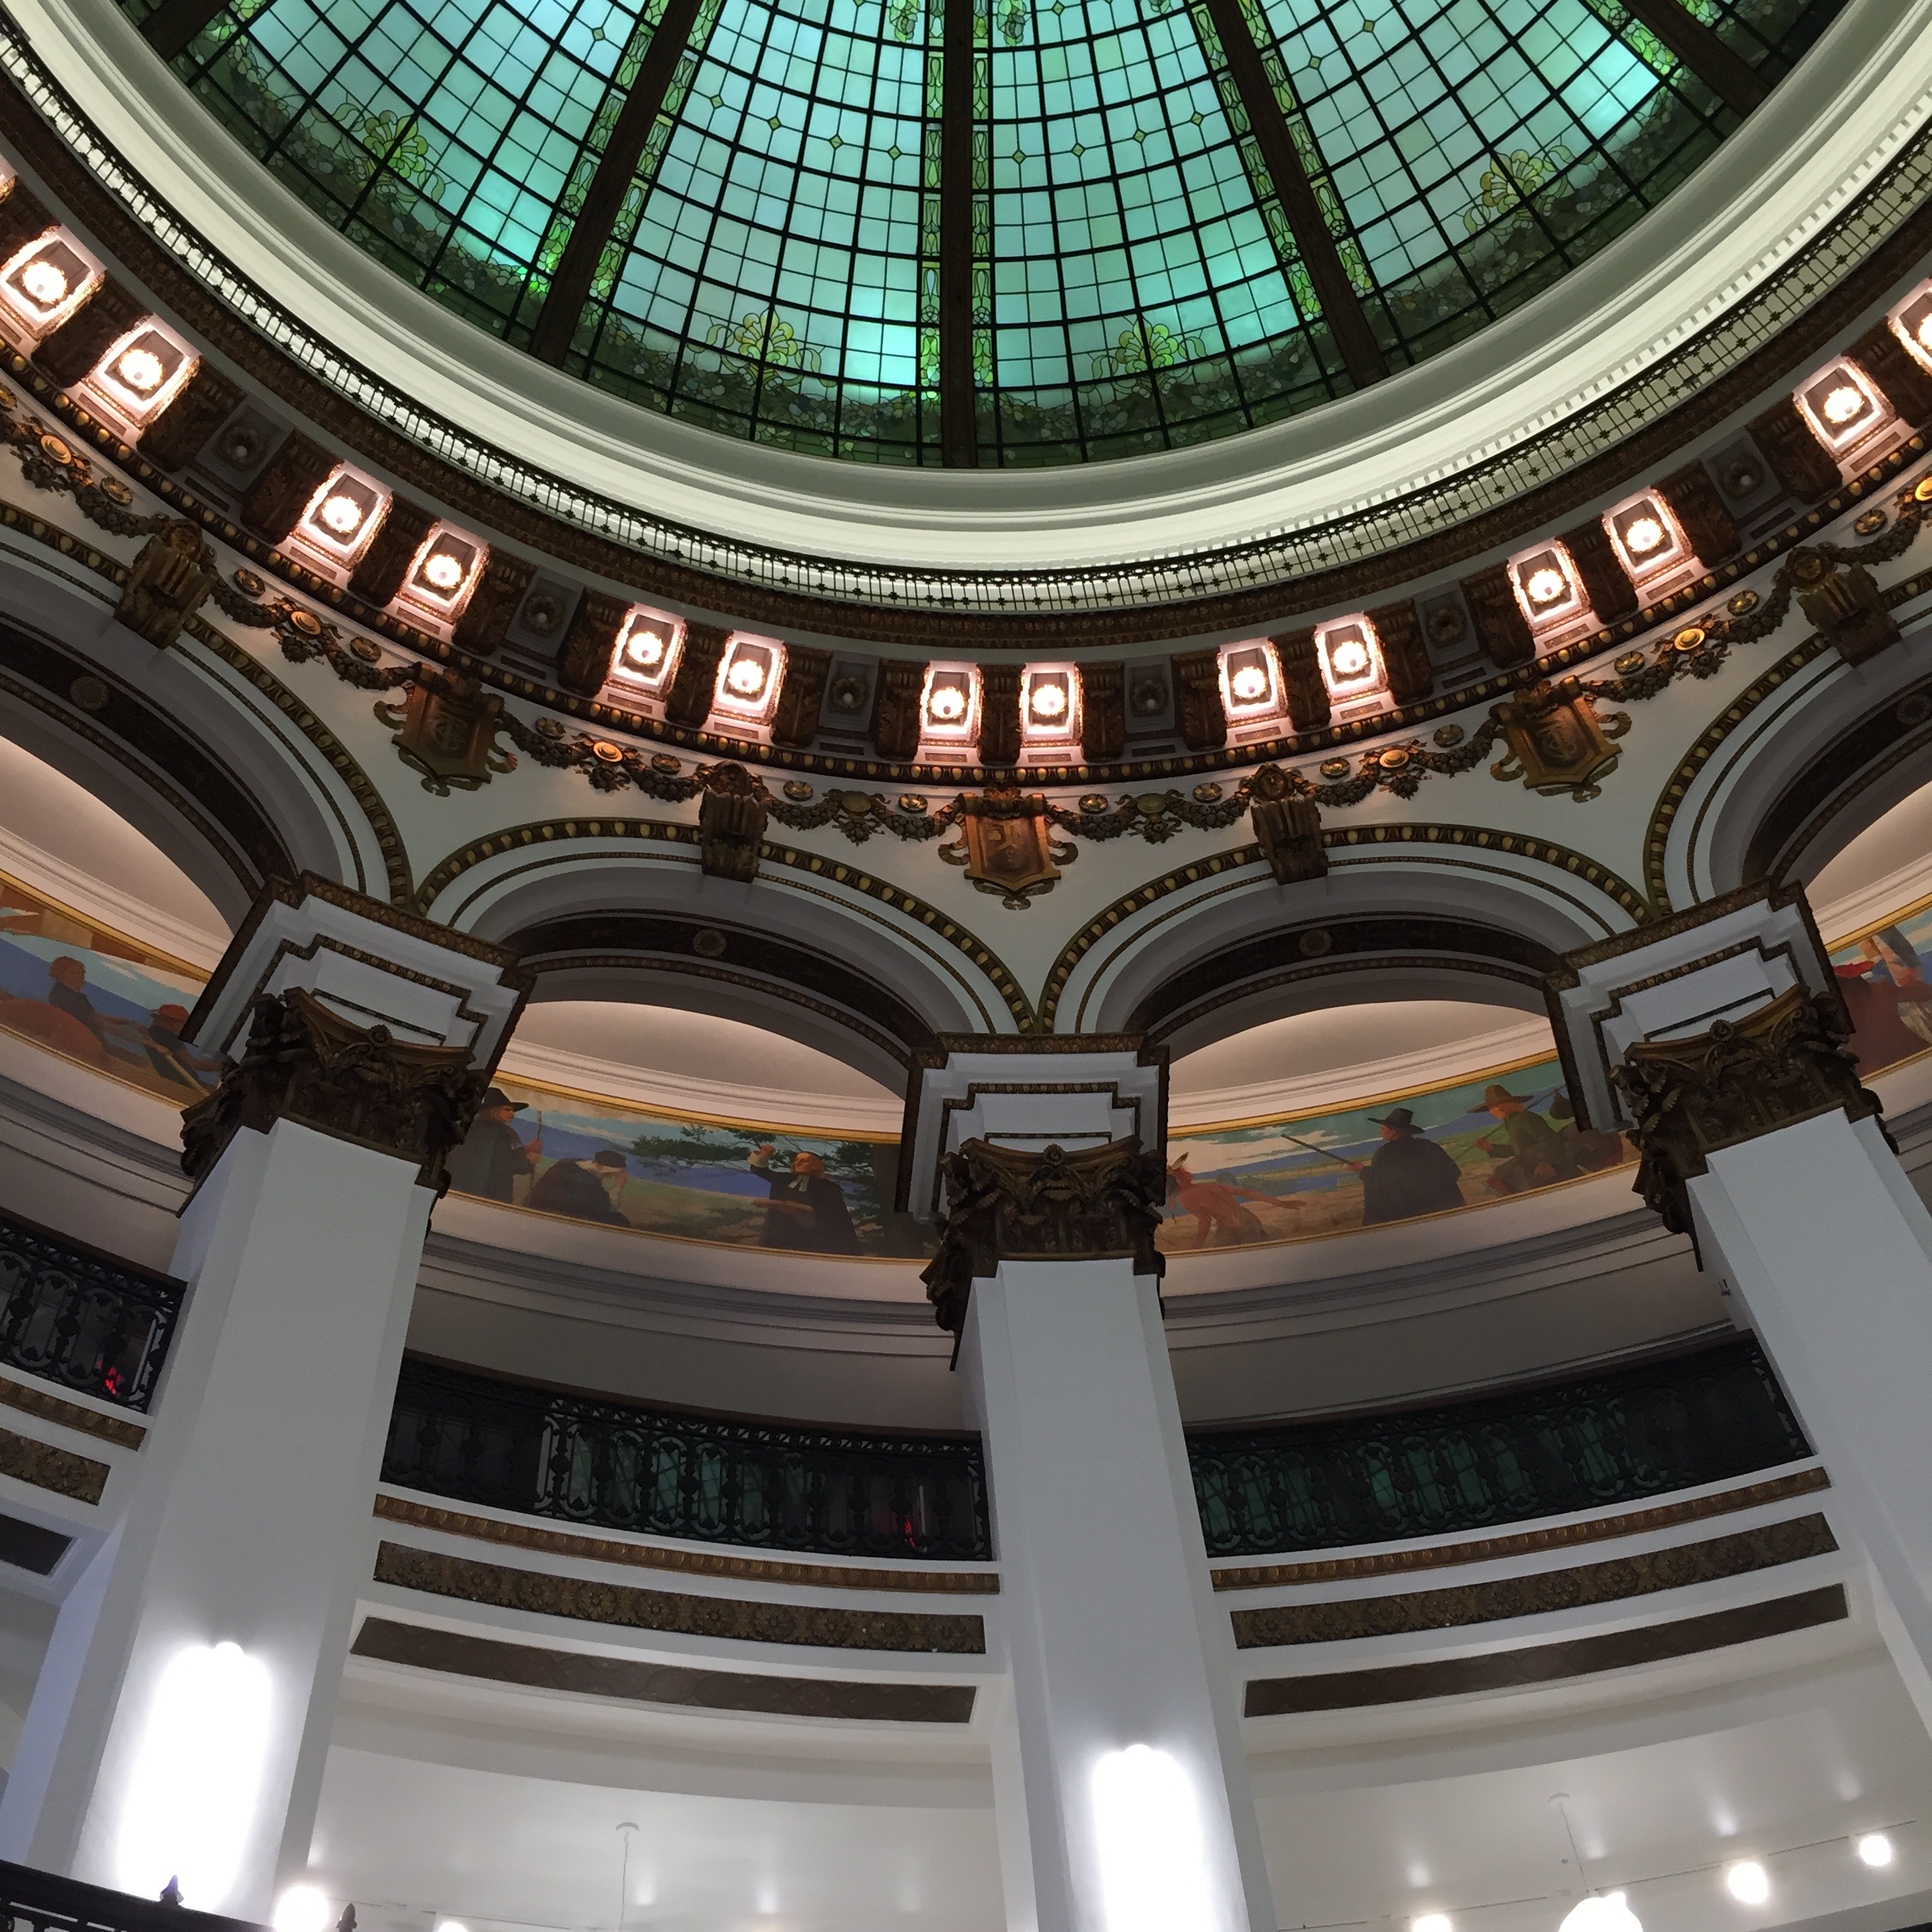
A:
x,y
83,1319
545,1452
1138,280
1698,1418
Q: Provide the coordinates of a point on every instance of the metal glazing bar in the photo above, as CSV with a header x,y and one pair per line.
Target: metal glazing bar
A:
x,y
569,286
1341,309
171,28
959,432
1720,68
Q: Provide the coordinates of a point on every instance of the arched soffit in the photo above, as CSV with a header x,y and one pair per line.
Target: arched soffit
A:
x,y
1500,906
829,931
732,970
1793,768
205,751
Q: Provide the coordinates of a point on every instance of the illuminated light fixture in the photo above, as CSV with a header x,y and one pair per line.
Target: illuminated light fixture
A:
x,y
1647,536
140,373
191,1801
45,283
1250,681
1431,1922
301,1908
1874,1849
1350,655
1839,406
141,369
1048,715
749,677
443,570
451,1925
1546,585
949,706
1747,1882
1912,324
647,650
1602,1911
1154,1875
343,516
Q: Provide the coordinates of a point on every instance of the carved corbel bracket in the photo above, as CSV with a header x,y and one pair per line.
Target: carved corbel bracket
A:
x,y
731,824
167,583
1786,1061
1009,1204
1842,600
1287,829
304,1062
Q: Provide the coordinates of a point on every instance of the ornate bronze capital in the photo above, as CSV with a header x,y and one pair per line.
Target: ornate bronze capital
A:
x,y
304,1062
1006,1204
1785,1062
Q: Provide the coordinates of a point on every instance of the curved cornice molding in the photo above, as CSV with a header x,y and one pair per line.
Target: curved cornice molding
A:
x,y
1720,275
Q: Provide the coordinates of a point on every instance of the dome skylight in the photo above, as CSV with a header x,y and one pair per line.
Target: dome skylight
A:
x,y
1084,229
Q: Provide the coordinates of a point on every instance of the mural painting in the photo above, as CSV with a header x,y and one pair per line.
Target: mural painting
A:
x,y
94,996
741,1184
1882,975
1290,1177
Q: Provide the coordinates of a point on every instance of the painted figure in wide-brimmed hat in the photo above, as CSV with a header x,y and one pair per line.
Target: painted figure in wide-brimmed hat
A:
x,y
1408,1174
493,1154
1537,1153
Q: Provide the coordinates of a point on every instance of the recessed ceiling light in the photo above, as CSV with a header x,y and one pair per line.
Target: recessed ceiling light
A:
x,y
343,514
1431,1922
1747,1882
442,571
1875,1849
1844,404
1602,1911
1643,534
44,282
141,369
1546,586
1049,700
948,704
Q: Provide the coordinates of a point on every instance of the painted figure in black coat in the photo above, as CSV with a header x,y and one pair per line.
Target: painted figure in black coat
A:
x,y
807,1209
579,1187
493,1154
1408,1174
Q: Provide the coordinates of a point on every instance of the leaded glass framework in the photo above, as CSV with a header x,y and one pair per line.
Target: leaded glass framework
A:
x,y
767,250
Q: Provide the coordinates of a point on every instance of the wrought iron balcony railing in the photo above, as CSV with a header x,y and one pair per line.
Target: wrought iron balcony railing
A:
x,y
82,1319
772,1485
1641,1431
1615,1439
38,1901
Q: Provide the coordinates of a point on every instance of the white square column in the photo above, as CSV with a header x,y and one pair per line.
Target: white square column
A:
x,y
1120,1778
181,1718
1714,1039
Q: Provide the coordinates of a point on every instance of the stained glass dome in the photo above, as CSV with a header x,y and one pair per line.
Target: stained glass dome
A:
x,y
984,232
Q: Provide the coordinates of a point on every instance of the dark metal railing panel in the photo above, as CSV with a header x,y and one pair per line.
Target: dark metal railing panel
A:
x,y
1614,1438
546,1452
82,1319
38,1901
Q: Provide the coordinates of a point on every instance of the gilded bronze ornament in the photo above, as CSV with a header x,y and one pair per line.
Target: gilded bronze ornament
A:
x,y
1007,847
1557,743
446,728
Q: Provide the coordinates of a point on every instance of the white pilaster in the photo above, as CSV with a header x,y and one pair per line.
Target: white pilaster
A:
x,y
1813,1226
1121,1782
181,1720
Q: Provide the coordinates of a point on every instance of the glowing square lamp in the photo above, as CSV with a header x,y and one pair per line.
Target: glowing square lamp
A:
x,y
1546,585
443,569
1047,716
1841,406
1351,657
1646,535
949,707
1250,683
45,283
1913,327
748,678
647,650
139,376
343,516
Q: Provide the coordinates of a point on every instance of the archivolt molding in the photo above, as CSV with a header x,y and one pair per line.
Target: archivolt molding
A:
x,y
1707,817
553,836
1609,903
381,830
